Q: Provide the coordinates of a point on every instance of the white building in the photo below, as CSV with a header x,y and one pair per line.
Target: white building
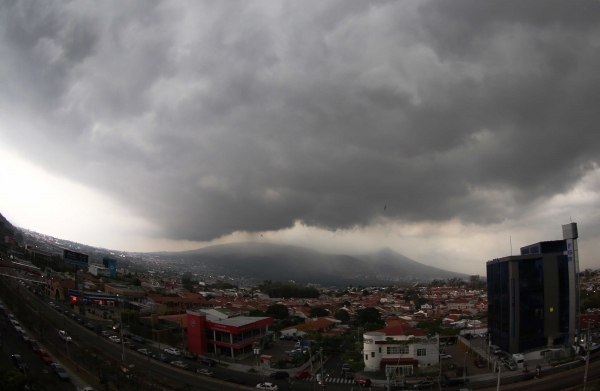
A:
x,y
97,270
389,350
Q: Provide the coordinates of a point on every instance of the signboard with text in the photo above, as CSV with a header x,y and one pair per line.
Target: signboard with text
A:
x,y
75,257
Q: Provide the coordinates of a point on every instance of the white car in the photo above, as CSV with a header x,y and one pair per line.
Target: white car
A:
x,y
267,386
64,336
115,339
145,352
445,356
179,364
204,372
173,351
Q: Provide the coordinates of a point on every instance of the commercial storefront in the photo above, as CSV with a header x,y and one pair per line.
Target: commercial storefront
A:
x,y
230,336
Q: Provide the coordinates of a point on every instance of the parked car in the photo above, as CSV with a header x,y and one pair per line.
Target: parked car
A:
x,y
106,334
129,345
445,356
160,357
510,365
179,364
34,346
18,361
302,374
423,385
138,339
64,336
23,335
279,375
45,356
89,326
345,367
115,339
397,385
173,351
363,381
267,386
145,352
479,363
208,361
204,372
60,371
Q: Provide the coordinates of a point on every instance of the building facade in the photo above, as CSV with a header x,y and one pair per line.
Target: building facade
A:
x,y
533,297
397,354
230,336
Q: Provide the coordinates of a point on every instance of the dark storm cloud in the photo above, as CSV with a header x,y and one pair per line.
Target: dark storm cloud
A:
x,y
209,118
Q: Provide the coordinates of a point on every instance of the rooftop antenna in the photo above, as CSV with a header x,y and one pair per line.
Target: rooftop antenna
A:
x,y
510,239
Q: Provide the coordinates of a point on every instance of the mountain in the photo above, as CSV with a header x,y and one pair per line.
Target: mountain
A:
x,y
263,261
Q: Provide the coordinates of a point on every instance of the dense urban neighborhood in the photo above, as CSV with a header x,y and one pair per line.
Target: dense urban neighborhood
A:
x,y
418,336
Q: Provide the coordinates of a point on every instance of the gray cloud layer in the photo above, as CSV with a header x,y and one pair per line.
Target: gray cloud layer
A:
x,y
214,117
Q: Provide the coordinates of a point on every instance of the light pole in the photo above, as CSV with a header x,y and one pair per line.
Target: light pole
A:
x,y
465,367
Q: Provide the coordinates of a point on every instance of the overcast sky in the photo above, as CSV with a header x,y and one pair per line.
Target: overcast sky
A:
x,y
440,129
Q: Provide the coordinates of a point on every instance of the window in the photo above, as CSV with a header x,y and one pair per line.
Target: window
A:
x,y
421,352
372,354
379,349
366,357
399,370
402,349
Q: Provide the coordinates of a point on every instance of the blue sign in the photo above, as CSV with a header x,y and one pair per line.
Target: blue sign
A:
x,y
111,265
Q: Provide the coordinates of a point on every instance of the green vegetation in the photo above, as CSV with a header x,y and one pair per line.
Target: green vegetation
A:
x,y
343,316
278,311
318,312
369,319
287,291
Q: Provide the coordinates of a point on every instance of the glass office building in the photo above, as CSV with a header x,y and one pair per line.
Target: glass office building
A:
x,y
533,297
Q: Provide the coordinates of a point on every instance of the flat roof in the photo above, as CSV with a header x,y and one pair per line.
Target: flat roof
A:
x,y
237,321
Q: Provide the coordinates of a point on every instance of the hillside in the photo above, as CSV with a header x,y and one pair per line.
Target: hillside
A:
x,y
264,261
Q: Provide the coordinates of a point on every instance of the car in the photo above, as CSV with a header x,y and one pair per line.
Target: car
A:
x,y
510,365
24,335
397,385
363,381
267,386
51,303
450,342
58,308
189,356
60,371
145,352
236,380
18,361
106,334
80,321
445,356
205,372
87,388
138,339
179,364
279,375
345,367
127,335
423,385
117,327
282,337
89,326
73,316
45,356
302,374
479,363
348,375
64,336
160,357
129,345
208,361
173,351
115,339
34,346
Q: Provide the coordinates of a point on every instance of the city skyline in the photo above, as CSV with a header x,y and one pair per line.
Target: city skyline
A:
x,y
442,130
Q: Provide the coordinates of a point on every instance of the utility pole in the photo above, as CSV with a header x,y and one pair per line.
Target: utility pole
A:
x,y
322,376
587,357
499,371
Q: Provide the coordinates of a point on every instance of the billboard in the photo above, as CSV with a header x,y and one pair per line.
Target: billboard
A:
x,y
75,257
111,265
10,240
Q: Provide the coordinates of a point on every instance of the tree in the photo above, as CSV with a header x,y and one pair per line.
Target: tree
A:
x,y
369,319
365,292
278,311
136,282
343,316
317,312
